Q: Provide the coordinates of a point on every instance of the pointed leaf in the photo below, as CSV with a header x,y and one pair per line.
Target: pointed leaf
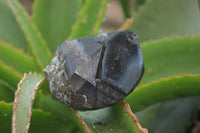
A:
x,y
16,58
158,18
24,97
9,30
54,19
37,43
90,15
167,57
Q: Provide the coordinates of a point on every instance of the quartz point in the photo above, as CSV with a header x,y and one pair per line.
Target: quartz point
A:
x,y
95,72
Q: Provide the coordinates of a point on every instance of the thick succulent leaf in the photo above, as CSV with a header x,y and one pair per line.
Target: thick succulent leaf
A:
x,y
9,30
6,93
37,44
168,57
146,116
158,18
40,122
24,98
54,19
20,61
175,116
163,90
89,19
9,75
47,104
100,17
126,8
110,119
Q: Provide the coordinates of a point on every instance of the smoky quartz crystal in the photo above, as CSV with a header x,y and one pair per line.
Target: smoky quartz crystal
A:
x,y
95,72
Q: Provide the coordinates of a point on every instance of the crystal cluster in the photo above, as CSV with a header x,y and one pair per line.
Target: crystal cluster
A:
x,y
95,72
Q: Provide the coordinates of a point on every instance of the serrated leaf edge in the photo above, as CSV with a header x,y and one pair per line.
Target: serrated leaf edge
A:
x,y
128,111
100,16
169,78
38,34
30,107
127,24
11,69
81,120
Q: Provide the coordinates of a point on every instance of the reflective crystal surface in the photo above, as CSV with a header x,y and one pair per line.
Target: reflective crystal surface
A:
x,y
95,72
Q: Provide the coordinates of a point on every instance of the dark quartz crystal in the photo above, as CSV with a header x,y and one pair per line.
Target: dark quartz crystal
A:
x,y
95,72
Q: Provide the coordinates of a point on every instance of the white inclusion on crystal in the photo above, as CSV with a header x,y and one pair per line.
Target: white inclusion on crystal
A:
x,y
102,37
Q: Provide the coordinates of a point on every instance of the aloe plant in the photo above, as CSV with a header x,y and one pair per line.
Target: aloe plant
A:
x,y
166,100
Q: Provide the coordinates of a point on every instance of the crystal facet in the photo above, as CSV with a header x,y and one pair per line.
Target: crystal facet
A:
x,y
95,72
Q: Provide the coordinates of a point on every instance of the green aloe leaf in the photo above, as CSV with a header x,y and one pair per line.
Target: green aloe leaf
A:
x,y
110,119
167,57
6,93
20,61
9,30
100,17
158,18
40,122
24,98
176,116
47,104
163,90
126,8
90,18
146,116
168,105
9,75
54,19
33,36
